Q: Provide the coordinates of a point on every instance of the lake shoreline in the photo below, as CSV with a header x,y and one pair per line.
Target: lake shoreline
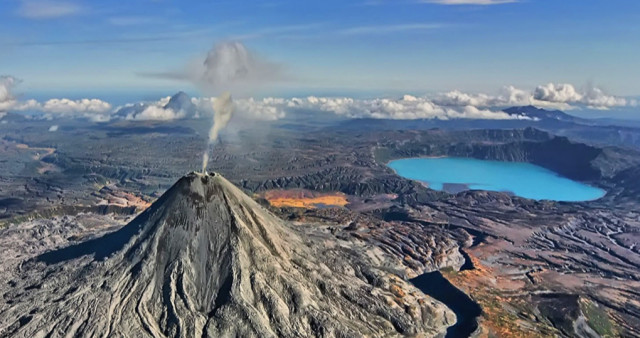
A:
x,y
522,179
467,311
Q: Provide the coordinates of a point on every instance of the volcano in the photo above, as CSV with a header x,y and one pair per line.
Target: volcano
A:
x,y
205,260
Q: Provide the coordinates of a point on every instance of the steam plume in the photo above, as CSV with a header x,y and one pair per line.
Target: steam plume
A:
x,y
232,67
223,108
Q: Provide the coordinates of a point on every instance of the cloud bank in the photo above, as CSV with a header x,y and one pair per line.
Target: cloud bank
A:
x,y
406,108
7,100
592,97
552,95
93,109
444,106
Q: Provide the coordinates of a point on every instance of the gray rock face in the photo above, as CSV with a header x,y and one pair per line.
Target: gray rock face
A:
x,y
206,260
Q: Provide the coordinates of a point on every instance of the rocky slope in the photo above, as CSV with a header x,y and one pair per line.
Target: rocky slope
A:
x,y
207,260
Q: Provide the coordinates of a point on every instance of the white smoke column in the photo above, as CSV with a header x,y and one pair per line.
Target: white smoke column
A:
x,y
229,66
223,108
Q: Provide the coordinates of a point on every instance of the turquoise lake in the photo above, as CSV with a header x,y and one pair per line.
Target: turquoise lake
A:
x,y
522,179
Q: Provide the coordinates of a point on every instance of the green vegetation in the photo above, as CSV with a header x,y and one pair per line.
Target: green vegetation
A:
x,y
448,270
598,319
382,155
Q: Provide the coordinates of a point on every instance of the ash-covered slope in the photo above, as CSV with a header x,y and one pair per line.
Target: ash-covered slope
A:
x,y
207,260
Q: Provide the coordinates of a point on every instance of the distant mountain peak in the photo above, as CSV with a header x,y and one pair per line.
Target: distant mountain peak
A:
x,y
181,102
541,114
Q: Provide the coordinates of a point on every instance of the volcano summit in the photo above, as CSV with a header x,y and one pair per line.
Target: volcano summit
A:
x,y
207,260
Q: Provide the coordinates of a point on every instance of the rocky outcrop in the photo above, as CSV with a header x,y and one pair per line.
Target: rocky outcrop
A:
x,y
349,181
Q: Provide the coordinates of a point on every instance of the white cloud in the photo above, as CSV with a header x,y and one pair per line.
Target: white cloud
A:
x,y
269,109
406,108
550,96
7,101
564,93
156,112
47,9
450,105
53,128
445,106
508,96
458,98
93,109
70,107
6,84
591,97
144,111
27,105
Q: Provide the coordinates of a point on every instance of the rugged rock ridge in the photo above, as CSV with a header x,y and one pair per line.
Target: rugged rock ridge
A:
x,y
207,260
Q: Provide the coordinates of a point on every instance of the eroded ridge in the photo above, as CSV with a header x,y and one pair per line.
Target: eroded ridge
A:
x,y
207,260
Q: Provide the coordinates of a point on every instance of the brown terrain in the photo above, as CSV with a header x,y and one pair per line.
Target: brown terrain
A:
x,y
536,268
304,199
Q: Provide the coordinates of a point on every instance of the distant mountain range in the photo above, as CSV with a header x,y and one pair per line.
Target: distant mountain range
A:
x,y
536,113
591,131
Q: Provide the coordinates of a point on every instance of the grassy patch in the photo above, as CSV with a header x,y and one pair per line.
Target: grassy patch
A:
x,y
598,319
448,270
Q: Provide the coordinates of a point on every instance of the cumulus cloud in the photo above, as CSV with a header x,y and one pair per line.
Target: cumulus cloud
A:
x,y
53,128
7,100
178,106
552,92
47,9
406,108
458,98
93,109
71,107
444,106
551,96
153,112
144,111
591,96
268,109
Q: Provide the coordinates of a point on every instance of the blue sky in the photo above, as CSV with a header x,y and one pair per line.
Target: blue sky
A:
x,y
381,47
